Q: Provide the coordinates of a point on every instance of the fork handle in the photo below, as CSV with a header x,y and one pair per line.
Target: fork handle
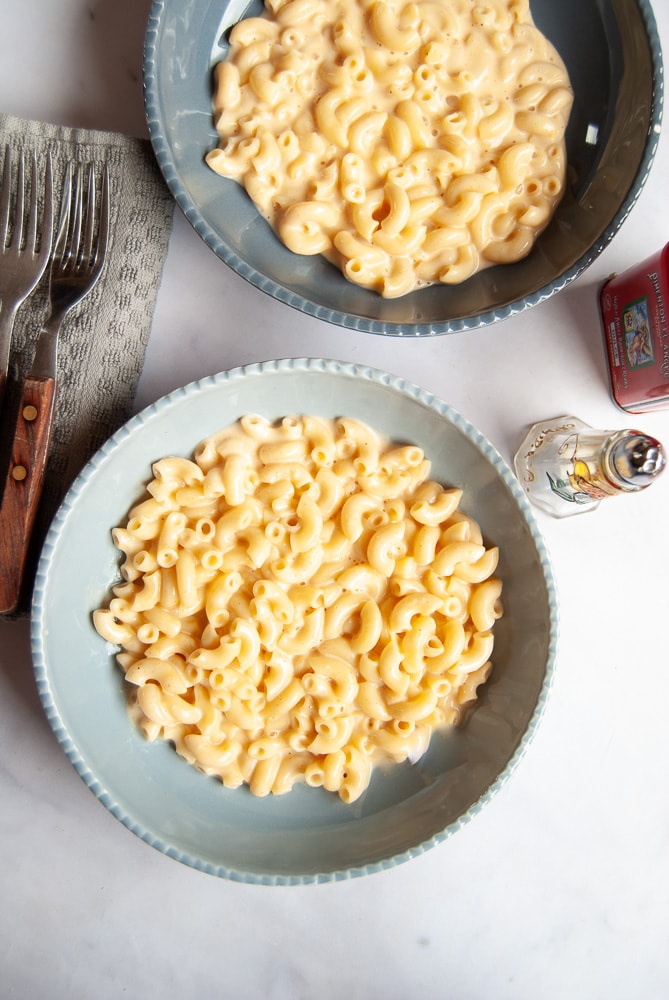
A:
x,y
23,486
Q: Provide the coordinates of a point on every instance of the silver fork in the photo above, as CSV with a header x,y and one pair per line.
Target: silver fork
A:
x,y
78,258
24,253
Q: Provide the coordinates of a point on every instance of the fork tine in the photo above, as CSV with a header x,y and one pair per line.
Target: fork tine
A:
x,y
64,218
47,211
103,226
31,234
4,197
17,235
74,242
87,252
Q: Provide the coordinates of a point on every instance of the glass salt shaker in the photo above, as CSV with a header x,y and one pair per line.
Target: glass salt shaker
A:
x,y
567,467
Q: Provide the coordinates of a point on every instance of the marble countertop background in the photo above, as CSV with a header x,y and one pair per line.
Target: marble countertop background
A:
x,y
560,887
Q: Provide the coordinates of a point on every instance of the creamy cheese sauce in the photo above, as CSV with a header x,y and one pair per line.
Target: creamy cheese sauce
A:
x,y
301,603
410,143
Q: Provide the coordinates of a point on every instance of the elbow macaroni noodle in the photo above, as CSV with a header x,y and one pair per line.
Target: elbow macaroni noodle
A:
x,y
300,603
410,143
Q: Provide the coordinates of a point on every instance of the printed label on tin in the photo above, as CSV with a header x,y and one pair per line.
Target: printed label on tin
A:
x,y
638,341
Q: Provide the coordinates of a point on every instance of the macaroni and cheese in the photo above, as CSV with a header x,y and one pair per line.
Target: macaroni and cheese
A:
x,y
408,142
300,602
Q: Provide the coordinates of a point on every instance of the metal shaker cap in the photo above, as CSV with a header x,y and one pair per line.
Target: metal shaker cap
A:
x,y
637,458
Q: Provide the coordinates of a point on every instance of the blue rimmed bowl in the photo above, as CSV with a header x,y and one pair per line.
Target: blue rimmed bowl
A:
x,y
613,55
308,835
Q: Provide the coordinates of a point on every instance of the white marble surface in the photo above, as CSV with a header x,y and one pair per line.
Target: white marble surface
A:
x,y
560,888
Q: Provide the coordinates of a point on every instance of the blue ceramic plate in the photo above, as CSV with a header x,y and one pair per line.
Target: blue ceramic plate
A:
x,y
308,835
613,55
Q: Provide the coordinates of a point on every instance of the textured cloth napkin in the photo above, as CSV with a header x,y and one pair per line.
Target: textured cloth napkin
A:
x,y
103,340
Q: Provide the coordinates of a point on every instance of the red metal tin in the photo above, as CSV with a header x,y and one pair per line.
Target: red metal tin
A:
x,y
635,313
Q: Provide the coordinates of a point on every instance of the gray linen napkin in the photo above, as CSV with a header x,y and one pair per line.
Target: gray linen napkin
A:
x,y
103,340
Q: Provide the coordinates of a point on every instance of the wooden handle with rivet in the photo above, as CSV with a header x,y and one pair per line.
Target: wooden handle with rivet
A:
x,y
23,486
